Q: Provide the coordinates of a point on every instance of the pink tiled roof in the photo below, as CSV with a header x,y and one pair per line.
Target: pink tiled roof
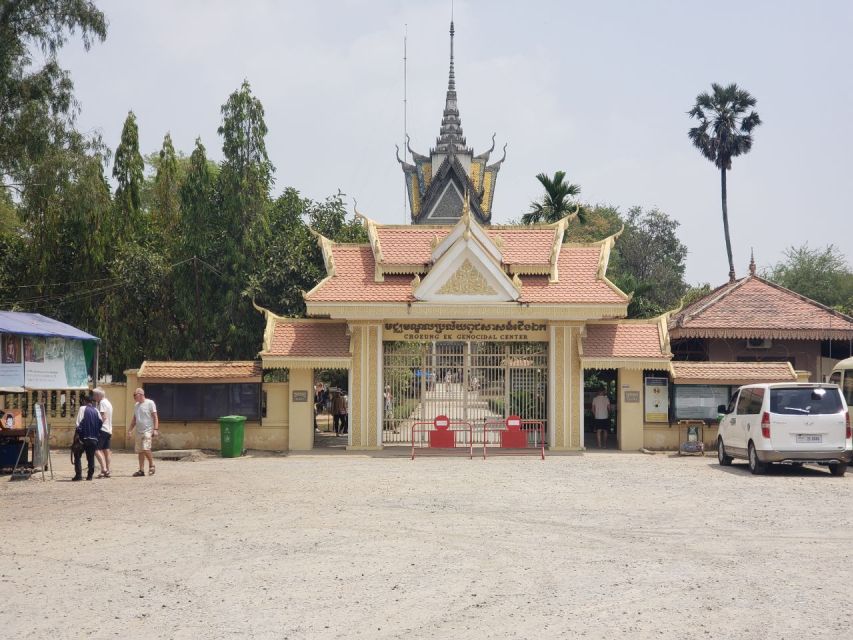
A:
x,y
413,245
623,340
753,307
525,246
578,283
353,280
732,372
244,369
408,245
315,339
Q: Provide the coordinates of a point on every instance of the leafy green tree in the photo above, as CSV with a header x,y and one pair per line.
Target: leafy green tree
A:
x,y
198,281
290,261
648,260
128,170
600,222
166,201
557,202
329,218
37,105
823,275
726,122
246,177
244,186
695,293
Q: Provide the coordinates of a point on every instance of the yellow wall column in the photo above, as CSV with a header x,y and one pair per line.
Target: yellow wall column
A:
x,y
630,413
365,385
130,402
565,406
301,414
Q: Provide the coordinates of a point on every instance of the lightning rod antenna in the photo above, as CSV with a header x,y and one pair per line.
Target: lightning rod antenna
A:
x,y
405,121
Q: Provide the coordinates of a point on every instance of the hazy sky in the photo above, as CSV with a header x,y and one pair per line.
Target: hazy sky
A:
x,y
598,89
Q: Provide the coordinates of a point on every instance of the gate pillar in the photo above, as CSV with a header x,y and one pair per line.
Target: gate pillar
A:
x,y
365,387
565,402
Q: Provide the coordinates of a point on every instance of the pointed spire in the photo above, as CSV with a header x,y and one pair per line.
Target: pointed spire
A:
x,y
751,262
450,137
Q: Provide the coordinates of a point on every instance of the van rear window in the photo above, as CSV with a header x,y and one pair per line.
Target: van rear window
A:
x,y
805,401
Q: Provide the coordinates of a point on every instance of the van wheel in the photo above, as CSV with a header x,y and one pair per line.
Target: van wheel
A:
x,y
838,469
756,467
722,458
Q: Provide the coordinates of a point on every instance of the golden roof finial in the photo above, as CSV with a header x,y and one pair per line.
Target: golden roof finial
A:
x,y
516,282
466,208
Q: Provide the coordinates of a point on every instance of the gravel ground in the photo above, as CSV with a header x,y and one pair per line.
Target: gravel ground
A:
x,y
351,546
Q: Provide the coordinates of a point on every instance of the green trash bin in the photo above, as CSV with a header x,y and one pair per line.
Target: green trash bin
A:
x,y
231,435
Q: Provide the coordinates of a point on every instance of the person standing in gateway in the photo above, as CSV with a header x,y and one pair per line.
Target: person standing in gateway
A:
x,y
147,425
601,417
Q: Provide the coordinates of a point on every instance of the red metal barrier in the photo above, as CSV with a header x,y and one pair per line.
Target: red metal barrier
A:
x,y
515,433
443,433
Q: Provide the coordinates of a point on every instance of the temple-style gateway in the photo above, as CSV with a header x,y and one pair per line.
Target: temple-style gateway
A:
x,y
454,316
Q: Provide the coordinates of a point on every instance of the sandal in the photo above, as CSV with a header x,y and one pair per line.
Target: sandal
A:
x,y
139,474
151,471
102,474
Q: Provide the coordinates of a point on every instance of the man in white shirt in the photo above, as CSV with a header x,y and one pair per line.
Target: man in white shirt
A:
x,y
601,418
103,453
147,425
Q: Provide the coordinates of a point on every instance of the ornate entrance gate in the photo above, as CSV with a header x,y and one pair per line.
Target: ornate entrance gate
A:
x,y
473,381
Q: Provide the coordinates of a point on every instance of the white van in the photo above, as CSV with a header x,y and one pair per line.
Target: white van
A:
x,y
786,422
842,375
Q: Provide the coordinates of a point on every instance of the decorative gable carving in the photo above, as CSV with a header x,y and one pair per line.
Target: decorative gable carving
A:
x,y
467,281
467,269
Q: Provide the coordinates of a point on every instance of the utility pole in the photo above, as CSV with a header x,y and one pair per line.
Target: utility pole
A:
x,y
197,309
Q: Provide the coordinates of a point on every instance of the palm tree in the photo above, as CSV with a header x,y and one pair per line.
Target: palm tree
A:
x,y
557,202
726,120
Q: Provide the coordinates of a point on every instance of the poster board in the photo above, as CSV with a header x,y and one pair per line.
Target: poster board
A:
x,y
657,399
38,362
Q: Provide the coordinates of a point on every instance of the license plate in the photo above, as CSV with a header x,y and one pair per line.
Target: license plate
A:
x,y
809,437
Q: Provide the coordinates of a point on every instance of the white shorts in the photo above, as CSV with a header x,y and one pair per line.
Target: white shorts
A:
x,y
142,442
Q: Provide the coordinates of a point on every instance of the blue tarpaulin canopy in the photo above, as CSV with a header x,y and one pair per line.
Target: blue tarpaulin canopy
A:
x,y
35,324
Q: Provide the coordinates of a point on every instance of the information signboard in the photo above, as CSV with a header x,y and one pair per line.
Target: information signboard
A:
x,y
657,399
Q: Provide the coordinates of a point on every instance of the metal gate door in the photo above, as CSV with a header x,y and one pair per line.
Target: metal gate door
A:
x,y
473,381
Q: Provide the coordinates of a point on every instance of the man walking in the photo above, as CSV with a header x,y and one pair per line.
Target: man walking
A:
x,y
147,425
103,453
601,417
88,428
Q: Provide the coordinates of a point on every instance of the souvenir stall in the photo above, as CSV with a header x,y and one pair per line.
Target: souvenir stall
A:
x,y
38,354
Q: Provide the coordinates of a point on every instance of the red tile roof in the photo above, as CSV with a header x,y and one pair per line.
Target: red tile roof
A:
x,y
753,307
353,279
308,339
623,340
578,282
413,245
219,370
734,373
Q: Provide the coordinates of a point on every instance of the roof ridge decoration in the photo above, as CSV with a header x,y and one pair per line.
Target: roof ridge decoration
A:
x,y
326,248
606,245
466,228
557,246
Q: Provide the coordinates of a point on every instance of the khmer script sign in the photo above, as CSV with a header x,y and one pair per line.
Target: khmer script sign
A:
x,y
498,331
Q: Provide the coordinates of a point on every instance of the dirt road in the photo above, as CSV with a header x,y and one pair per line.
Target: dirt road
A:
x,y
346,546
